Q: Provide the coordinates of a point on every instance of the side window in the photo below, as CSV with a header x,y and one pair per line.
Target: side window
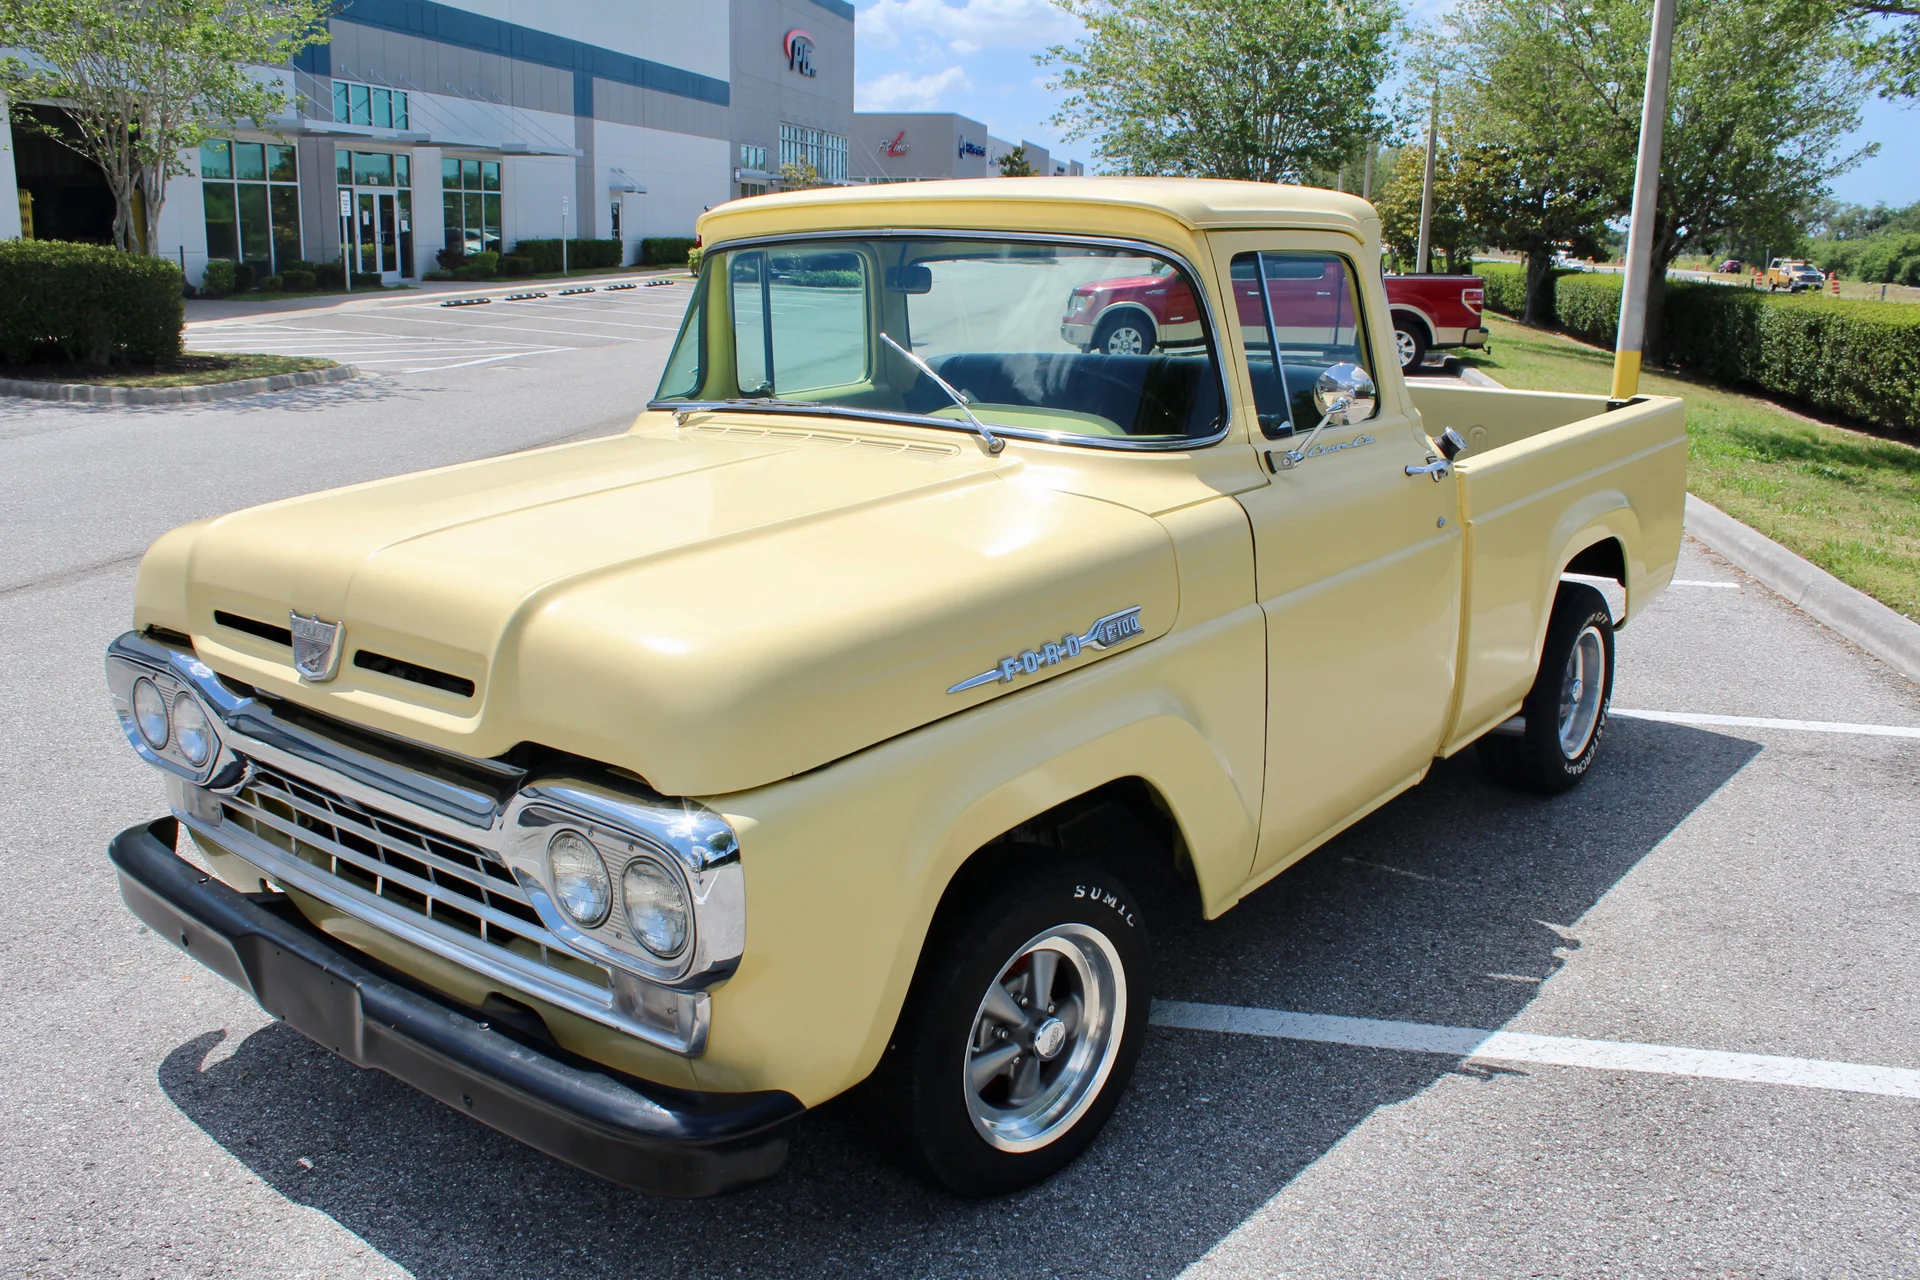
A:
x,y
799,320
1299,313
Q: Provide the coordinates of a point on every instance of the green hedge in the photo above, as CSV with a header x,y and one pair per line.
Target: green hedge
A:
x,y
1857,358
87,303
582,255
665,251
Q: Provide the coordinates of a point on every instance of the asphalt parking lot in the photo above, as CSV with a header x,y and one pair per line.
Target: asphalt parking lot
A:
x,y
1739,878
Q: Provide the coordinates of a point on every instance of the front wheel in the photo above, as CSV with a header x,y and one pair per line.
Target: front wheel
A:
x,y
1126,335
1566,711
1024,1024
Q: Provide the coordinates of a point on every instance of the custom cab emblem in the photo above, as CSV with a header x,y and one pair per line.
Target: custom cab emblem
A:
x,y
1103,634
316,645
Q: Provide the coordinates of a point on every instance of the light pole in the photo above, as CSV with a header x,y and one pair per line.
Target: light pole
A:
x,y
1646,194
1423,261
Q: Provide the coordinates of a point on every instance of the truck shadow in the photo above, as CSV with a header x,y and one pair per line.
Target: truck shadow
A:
x,y
1438,908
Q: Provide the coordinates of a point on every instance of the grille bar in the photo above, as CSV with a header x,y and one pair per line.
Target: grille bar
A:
x,y
452,887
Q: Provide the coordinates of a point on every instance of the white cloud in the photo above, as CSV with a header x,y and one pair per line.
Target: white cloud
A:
x,y
899,91
969,25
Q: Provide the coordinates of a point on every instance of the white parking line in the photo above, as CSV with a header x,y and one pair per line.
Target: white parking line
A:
x,y
1765,722
1697,582
1555,1051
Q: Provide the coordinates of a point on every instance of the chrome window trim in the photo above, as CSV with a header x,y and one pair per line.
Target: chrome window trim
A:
x,y
1064,438
511,825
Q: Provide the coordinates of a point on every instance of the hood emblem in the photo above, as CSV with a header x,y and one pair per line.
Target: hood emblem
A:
x,y
316,645
1103,634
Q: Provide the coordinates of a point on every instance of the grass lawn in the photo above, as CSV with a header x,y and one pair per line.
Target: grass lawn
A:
x,y
189,370
1848,501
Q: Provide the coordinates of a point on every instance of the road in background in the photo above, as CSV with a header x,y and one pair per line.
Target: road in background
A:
x,y
1732,887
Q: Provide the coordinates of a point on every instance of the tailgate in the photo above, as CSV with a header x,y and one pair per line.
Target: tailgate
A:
x,y
1544,477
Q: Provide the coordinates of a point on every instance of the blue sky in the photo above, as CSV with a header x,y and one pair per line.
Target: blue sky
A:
x,y
976,57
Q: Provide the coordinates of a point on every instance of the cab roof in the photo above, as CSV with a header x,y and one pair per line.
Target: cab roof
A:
x,y
1095,206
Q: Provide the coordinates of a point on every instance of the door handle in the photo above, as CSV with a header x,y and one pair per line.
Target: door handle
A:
x,y
1438,468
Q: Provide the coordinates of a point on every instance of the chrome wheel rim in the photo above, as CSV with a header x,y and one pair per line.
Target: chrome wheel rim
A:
x,y
1126,341
1581,692
1404,340
1044,1038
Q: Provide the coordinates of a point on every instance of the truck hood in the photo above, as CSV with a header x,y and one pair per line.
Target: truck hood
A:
x,y
711,608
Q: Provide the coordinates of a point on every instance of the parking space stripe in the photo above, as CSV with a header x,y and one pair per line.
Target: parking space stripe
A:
x,y
1535,1050
1698,582
1765,722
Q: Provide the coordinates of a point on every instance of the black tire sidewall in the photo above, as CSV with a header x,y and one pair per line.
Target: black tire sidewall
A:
x,y
922,1077
1577,606
1412,329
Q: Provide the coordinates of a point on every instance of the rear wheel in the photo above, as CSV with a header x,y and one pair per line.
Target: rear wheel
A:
x,y
1566,710
1130,334
1024,1024
1410,339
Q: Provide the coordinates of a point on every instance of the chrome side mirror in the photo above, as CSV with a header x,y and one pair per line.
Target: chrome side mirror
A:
x,y
1344,395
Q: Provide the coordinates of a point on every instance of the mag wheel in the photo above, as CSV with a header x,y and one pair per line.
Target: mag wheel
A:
x,y
1127,335
1022,1030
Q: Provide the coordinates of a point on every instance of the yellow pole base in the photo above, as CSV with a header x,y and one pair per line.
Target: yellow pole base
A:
x,y
1626,374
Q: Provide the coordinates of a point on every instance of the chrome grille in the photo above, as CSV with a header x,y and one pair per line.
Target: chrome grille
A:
x,y
459,887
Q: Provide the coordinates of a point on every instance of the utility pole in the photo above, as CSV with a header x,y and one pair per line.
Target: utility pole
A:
x,y
1423,261
1646,193
1366,174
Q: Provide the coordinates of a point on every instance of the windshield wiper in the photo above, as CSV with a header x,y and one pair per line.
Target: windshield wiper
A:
x,y
993,443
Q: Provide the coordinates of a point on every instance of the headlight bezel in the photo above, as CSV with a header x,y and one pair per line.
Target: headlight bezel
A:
x,y
188,720
179,677
671,878
143,685
595,860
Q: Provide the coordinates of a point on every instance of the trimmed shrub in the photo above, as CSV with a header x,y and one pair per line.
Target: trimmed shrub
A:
x,y
582,255
665,251
87,303
513,264
1845,356
329,275
436,275
216,281
822,279
298,280
478,266
694,255
1506,287
295,264
272,284
242,277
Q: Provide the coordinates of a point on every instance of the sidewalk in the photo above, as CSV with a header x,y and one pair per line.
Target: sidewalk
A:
x,y
252,306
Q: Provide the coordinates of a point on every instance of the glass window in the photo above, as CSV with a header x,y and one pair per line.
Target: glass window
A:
x,y
403,171
1298,313
372,169
256,238
249,162
223,239
450,174
399,110
282,165
343,167
452,221
382,108
216,160
489,175
470,175
340,107
284,205
492,222
472,217
807,317
362,104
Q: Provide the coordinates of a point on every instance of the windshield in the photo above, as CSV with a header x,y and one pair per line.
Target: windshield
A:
x,y
1084,343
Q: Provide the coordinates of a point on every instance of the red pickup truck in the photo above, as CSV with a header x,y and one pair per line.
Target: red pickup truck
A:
x,y
1133,315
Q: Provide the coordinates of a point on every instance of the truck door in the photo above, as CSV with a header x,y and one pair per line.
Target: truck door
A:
x,y
1357,563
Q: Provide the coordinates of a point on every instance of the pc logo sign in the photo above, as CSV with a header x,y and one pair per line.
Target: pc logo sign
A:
x,y
799,48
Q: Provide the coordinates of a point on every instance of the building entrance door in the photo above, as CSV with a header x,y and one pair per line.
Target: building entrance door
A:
x,y
381,238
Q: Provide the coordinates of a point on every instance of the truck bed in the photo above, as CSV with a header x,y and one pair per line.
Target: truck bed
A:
x,y
1559,474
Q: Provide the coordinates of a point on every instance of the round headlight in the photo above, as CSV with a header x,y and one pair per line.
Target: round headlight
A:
x,y
656,907
580,882
150,712
191,731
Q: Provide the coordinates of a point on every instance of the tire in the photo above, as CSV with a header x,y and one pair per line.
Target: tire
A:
x,y
1128,334
959,1023
1565,716
1410,338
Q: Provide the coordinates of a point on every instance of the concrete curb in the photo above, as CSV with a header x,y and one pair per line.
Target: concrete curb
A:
x,y
85,393
1887,635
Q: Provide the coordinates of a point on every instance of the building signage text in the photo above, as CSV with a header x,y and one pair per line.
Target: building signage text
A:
x,y
799,49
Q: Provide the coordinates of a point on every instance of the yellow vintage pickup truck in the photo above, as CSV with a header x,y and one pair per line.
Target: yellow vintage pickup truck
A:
x,y
633,796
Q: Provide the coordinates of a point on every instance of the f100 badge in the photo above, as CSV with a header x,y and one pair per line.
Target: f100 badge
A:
x,y
1103,634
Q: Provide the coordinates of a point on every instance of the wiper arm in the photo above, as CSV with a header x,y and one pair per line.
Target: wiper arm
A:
x,y
993,443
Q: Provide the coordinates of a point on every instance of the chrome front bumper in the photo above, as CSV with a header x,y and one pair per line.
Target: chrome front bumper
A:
x,y
448,853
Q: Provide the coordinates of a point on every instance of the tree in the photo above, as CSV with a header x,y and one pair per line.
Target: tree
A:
x,y
1014,164
1751,136
1883,37
141,81
1398,201
1254,89
800,175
